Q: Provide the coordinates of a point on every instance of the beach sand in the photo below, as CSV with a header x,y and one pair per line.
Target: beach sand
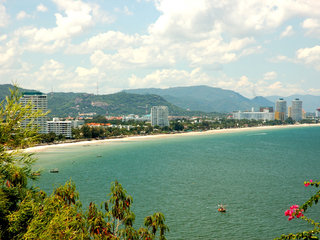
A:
x,y
43,148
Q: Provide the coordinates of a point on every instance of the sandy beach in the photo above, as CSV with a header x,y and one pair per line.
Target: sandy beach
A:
x,y
137,138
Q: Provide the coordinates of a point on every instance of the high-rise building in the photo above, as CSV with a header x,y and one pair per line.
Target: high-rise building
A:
x,y
281,109
296,109
318,112
159,116
290,112
38,101
60,127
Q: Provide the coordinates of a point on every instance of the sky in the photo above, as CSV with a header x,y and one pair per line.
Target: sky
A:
x,y
254,47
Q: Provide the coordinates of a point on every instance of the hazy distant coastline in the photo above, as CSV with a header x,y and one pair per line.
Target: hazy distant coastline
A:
x,y
43,148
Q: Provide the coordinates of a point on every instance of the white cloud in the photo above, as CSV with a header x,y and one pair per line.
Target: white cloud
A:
x,y
312,25
22,15
3,37
110,40
85,72
238,17
287,32
4,17
76,18
270,76
131,58
309,56
170,78
125,10
42,8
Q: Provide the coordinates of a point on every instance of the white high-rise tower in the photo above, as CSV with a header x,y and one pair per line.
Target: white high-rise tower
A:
x,y
38,101
296,110
159,116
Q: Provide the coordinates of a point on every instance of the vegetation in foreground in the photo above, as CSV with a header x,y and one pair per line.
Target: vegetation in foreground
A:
x,y
299,212
29,213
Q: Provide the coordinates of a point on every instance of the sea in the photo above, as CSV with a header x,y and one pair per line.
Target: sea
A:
x,y
256,174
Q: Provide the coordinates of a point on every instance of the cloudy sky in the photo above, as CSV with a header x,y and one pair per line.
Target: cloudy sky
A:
x,y
253,47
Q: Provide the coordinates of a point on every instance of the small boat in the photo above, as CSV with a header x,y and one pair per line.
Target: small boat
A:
x,y
222,208
54,170
99,156
36,174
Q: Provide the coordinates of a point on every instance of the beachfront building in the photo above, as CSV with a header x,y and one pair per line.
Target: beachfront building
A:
x,y
38,101
296,109
159,116
281,109
77,123
318,112
263,109
60,127
289,112
265,115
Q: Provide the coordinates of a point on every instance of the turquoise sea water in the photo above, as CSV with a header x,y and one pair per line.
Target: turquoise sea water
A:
x,y
258,174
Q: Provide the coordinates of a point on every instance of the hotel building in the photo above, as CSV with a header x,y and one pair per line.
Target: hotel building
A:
x,y
60,127
159,116
281,109
296,110
38,101
265,115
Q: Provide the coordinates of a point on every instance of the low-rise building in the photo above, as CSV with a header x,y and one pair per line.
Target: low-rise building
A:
x,y
266,115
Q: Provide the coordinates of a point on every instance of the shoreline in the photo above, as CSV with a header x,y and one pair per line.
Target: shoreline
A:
x,y
43,148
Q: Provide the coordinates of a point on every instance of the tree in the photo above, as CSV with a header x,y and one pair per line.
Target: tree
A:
x,y
15,166
28,213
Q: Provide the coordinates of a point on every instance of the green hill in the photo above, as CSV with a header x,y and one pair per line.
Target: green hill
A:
x,y
71,104
204,98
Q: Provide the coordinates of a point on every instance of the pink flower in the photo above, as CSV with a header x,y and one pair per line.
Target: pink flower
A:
x,y
307,183
288,213
293,209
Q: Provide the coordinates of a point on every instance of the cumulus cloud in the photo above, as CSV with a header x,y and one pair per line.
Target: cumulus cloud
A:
x,y
110,40
237,17
4,17
287,32
125,10
75,20
170,78
312,26
42,8
270,76
22,15
309,56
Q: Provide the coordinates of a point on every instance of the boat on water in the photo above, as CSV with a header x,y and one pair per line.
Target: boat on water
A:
x,y
36,174
222,208
54,170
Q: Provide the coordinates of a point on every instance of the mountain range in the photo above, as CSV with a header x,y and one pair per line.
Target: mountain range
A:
x,y
206,99
194,100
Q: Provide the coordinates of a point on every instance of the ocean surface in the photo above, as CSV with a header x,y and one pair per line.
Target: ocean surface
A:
x,y
257,174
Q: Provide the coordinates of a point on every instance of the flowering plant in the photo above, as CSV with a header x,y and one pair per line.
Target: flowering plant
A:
x,y
298,212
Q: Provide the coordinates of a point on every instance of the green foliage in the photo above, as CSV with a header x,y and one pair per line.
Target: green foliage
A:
x,y
28,213
205,98
15,166
308,234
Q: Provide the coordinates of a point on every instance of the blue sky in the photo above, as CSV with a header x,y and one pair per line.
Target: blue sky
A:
x,y
253,47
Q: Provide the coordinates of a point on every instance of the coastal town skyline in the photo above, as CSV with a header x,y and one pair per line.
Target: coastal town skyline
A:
x,y
256,48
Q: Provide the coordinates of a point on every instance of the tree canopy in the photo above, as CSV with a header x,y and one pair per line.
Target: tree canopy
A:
x,y
29,213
